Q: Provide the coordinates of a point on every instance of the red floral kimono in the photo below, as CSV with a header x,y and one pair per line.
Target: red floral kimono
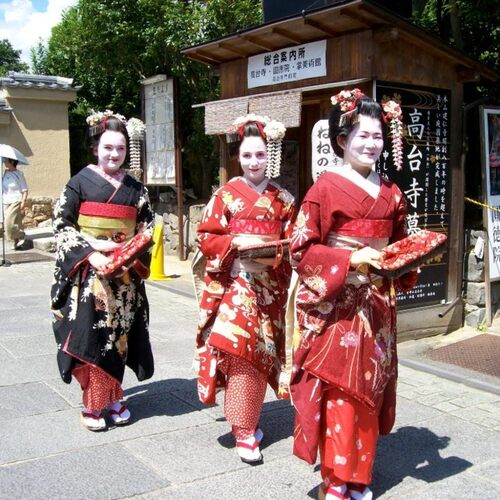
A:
x,y
344,365
242,304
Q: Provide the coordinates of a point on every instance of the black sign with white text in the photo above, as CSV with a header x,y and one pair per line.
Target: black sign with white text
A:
x,y
425,178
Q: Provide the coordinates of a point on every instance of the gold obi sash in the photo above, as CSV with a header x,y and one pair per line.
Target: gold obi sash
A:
x,y
105,225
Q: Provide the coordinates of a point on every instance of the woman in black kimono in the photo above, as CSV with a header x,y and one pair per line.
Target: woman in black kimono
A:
x,y
101,324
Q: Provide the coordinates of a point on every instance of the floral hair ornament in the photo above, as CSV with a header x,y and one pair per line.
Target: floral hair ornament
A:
x,y
393,116
97,120
347,101
272,131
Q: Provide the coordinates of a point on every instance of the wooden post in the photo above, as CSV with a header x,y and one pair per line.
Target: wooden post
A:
x,y
178,170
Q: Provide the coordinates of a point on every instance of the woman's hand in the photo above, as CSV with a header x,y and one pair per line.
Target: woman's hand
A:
x,y
98,261
366,255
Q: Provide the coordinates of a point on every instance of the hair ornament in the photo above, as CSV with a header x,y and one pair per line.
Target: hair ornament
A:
x,y
347,100
99,117
272,131
97,121
393,116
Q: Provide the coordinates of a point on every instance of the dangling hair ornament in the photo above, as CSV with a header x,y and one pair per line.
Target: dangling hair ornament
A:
x,y
275,132
347,100
392,115
135,130
272,131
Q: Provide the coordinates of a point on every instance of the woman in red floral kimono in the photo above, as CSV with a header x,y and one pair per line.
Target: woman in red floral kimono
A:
x,y
345,367
240,337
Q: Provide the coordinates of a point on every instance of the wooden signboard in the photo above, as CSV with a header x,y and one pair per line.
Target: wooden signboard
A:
x,y
425,177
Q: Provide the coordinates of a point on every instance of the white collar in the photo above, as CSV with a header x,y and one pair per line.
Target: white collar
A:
x,y
259,187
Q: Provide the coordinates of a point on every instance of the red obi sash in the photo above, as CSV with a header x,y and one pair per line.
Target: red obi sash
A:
x,y
96,209
366,228
252,226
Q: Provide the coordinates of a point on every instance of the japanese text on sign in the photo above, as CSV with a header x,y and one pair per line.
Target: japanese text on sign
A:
x,y
424,179
323,157
287,65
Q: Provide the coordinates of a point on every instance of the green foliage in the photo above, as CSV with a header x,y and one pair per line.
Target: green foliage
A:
x,y
109,46
38,56
10,59
470,25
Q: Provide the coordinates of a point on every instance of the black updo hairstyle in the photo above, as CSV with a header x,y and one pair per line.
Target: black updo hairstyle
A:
x,y
250,129
110,123
365,106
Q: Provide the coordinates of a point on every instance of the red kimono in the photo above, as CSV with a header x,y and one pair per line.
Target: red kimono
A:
x,y
242,304
345,361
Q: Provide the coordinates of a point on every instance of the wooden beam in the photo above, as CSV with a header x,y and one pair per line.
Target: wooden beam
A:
x,y
467,75
355,14
258,43
231,48
208,58
286,34
320,27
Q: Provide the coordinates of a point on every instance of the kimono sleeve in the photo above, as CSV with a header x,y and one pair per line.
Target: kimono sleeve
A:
x,y
406,281
322,269
72,249
214,236
145,222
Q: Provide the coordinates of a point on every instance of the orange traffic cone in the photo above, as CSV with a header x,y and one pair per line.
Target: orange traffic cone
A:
x,y
156,267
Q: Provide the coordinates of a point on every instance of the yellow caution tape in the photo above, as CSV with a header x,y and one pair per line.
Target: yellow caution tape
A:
x,y
484,205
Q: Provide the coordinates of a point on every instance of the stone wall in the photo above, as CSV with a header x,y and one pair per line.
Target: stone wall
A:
x,y
167,208
474,287
38,210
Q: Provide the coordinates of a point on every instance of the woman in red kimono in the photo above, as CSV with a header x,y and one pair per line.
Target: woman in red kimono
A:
x,y
345,366
240,340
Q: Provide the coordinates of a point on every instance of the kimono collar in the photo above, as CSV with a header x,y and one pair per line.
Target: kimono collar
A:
x,y
369,184
258,187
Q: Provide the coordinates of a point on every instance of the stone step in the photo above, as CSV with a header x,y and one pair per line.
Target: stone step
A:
x,y
47,244
42,238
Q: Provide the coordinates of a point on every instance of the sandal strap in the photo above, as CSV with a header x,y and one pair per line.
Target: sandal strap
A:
x,y
119,412
333,492
91,415
242,444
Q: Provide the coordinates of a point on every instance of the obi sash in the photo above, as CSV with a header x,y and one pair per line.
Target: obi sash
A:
x,y
105,224
364,228
252,232
357,233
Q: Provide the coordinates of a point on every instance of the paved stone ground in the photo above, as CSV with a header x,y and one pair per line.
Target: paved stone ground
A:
x,y
445,444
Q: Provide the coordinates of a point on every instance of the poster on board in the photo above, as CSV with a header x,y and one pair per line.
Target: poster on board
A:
x,y
159,117
425,177
490,152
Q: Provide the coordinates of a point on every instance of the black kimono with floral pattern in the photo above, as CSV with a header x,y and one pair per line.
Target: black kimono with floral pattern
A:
x,y
99,321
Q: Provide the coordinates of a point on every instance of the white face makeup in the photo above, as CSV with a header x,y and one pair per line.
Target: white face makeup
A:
x,y
253,159
111,151
363,145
